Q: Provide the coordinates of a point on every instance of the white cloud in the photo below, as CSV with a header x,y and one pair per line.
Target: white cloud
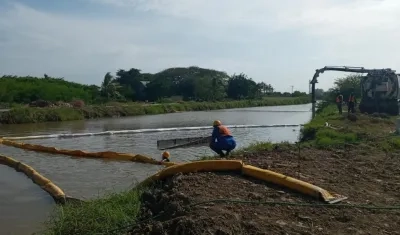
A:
x,y
354,32
282,42
335,16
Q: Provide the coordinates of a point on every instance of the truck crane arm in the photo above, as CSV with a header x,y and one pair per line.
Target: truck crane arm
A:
x,y
345,69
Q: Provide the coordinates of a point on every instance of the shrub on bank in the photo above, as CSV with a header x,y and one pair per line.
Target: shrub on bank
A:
x,y
53,114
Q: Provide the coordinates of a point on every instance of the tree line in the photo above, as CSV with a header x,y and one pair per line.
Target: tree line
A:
x,y
191,83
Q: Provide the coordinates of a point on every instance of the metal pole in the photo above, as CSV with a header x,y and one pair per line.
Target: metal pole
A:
x,y
313,101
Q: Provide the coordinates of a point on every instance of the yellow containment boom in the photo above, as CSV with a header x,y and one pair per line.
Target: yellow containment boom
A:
x,y
54,191
174,168
79,153
255,172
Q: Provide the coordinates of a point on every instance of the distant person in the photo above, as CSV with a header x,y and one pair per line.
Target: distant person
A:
x,y
352,103
222,139
339,102
165,156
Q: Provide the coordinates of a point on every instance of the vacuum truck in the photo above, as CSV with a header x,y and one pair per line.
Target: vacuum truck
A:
x,y
379,88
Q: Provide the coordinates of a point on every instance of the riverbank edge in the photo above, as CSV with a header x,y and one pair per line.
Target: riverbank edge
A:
x,y
83,215
24,115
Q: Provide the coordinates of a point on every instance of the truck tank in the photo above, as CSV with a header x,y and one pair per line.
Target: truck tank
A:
x,y
380,92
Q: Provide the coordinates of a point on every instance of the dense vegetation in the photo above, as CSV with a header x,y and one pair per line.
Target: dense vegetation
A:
x,y
120,95
191,84
15,89
34,115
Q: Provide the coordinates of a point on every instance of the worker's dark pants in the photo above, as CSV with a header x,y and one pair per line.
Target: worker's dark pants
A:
x,y
339,106
218,148
351,107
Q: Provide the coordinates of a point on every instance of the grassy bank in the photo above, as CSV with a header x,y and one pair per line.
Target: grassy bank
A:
x,y
35,115
98,216
369,134
376,131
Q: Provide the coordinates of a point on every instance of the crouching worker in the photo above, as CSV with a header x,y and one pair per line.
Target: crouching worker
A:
x,y
165,157
222,139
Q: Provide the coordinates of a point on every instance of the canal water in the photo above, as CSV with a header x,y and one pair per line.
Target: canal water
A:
x,y
24,206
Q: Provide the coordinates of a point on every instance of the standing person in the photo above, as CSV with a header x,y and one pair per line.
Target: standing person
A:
x,y
222,139
339,102
352,103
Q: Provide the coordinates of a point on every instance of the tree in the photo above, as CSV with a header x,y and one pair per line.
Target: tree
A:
x,y
109,87
242,87
188,83
298,94
131,87
344,86
348,84
266,89
319,93
218,88
208,89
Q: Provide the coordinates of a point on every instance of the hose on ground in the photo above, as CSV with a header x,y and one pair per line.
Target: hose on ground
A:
x,y
265,203
274,203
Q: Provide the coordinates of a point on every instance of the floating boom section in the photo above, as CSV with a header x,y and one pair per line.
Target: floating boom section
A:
x,y
79,153
48,186
183,143
379,88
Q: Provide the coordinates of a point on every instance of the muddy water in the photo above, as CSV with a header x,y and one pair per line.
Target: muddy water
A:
x,y
23,205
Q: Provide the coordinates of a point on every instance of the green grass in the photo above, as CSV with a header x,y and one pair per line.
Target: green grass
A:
x,y
20,115
372,131
97,216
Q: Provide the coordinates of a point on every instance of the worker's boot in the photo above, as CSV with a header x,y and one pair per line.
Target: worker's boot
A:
x,y
220,153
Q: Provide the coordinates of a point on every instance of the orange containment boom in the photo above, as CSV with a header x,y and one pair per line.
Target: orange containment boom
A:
x,y
79,153
255,172
54,191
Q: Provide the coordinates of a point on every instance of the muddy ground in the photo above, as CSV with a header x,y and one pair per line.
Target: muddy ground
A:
x,y
365,176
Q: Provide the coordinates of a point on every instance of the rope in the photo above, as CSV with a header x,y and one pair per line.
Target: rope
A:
x,y
265,203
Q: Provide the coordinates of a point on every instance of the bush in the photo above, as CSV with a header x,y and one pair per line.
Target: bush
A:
x,y
78,103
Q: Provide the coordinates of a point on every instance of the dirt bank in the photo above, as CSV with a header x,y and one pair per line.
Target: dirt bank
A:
x,y
366,177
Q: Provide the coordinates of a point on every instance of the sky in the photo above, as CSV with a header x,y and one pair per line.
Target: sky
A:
x,y
277,42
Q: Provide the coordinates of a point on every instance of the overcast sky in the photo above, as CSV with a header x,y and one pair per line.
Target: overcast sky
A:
x,y
278,42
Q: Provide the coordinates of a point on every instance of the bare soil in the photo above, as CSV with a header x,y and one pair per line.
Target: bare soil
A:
x,y
366,177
